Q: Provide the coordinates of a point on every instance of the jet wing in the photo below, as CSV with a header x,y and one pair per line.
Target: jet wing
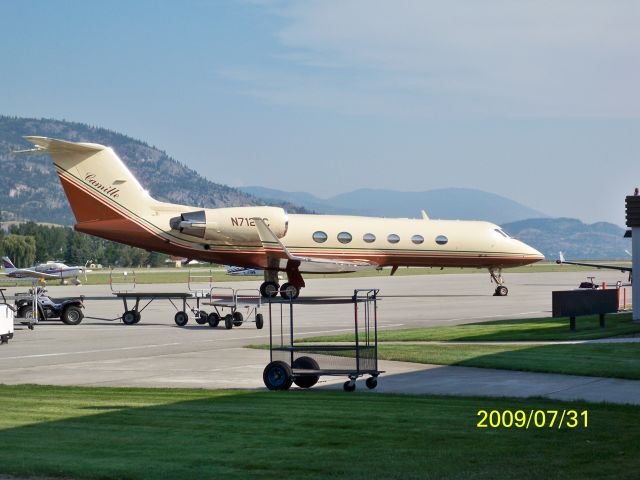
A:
x,y
562,261
276,250
27,273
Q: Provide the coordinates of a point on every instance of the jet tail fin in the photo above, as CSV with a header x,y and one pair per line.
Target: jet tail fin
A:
x,y
7,263
97,183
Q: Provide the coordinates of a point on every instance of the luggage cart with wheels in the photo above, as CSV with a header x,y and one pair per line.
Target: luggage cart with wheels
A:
x,y
123,286
304,363
228,303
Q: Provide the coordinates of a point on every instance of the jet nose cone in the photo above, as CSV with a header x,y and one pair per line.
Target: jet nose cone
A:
x,y
535,254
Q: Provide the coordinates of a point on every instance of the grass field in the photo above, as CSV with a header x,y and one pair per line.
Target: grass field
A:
x,y
618,360
164,275
606,360
532,329
162,434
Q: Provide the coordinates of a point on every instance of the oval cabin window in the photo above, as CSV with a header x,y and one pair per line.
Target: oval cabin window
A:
x,y
369,237
344,237
393,238
441,240
417,239
320,237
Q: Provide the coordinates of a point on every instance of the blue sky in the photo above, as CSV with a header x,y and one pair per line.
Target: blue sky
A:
x,y
536,101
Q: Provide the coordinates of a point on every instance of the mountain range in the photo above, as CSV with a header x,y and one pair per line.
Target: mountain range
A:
x,y
31,191
447,203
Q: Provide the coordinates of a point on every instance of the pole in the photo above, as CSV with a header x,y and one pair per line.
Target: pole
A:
x,y
632,206
635,278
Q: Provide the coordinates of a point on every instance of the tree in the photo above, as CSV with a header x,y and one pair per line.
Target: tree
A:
x,y
20,249
78,248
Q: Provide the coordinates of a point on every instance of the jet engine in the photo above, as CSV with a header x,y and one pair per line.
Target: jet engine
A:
x,y
230,226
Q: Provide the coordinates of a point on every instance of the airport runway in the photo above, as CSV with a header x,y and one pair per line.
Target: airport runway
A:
x,y
157,353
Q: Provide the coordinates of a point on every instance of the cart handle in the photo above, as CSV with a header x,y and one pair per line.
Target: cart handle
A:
x,y
255,295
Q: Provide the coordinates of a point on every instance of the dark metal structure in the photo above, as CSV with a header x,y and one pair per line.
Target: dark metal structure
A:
x,y
303,363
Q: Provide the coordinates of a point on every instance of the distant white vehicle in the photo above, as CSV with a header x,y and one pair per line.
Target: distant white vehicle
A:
x,y
44,271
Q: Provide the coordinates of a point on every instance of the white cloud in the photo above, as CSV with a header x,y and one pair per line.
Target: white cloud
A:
x,y
569,58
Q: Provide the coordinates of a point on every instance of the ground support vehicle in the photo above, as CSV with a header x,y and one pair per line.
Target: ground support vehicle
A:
x,y
304,363
227,304
69,310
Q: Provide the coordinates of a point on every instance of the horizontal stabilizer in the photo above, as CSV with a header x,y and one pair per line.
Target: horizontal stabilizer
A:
x,y
44,144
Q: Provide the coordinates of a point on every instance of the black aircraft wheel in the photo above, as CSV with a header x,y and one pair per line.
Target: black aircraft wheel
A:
x,y
181,319
72,315
349,386
501,291
228,322
138,316
22,311
237,319
277,376
372,382
213,319
269,289
202,318
259,321
289,291
305,363
130,317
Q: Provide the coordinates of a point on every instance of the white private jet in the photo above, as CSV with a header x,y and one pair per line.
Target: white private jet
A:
x,y
108,202
43,271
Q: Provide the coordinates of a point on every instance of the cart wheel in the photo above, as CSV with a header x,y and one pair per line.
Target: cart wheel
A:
x,y
201,318
237,319
289,291
372,382
305,363
228,322
213,319
181,319
130,318
259,321
277,376
349,386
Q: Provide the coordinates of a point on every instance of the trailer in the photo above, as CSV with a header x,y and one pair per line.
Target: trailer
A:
x,y
304,363
227,304
123,286
6,319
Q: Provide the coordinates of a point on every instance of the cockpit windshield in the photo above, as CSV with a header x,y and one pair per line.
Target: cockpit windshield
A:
x,y
502,232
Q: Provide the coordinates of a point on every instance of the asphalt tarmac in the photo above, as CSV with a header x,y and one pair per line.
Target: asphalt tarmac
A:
x,y
158,353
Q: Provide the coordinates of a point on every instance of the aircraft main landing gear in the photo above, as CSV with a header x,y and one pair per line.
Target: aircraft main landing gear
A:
x,y
269,289
501,290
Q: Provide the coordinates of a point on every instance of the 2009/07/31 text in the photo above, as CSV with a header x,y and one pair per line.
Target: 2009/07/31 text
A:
x,y
533,419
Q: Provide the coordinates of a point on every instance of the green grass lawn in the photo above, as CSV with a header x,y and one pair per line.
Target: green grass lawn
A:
x,y
169,434
531,329
598,360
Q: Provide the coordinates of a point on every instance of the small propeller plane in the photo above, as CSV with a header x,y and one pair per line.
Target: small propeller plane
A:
x,y
43,271
109,202
243,271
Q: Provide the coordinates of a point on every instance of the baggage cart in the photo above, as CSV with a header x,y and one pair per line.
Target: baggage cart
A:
x,y
304,363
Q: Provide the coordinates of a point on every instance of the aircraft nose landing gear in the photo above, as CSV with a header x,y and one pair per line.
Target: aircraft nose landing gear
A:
x,y
501,290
